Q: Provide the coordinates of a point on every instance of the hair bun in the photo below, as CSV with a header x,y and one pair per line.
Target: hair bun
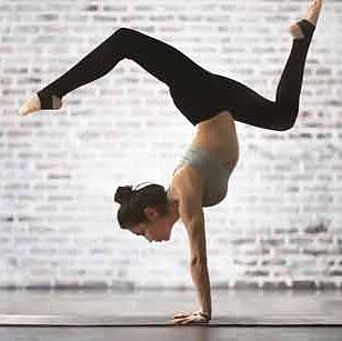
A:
x,y
123,194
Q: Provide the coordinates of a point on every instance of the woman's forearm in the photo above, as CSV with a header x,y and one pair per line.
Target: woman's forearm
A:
x,y
200,277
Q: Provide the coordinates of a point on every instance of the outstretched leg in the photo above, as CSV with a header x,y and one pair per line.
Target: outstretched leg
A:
x,y
249,107
163,61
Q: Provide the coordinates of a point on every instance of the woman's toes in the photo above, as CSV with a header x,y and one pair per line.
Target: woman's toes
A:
x,y
34,104
31,105
311,15
313,11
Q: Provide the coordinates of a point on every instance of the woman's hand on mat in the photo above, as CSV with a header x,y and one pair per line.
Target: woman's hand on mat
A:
x,y
187,318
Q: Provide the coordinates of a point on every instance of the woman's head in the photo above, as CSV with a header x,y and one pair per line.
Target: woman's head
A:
x,y
145,211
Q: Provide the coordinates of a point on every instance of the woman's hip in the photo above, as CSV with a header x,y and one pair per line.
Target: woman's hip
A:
x,y
202,97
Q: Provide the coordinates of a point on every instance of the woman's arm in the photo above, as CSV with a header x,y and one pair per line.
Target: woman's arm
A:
x,y
198,263
192,216
200,277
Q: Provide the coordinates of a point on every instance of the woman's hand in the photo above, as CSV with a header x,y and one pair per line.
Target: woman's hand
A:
x,y
188,318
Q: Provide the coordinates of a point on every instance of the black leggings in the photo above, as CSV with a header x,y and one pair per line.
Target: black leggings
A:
x,y
196,92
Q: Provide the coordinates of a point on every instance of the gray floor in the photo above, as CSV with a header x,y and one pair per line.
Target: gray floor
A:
x,y
193,333
237,315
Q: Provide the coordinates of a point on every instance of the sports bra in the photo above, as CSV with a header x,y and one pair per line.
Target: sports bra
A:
x,y
213,170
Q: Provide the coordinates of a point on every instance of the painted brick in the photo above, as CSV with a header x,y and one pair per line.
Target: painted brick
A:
x,y
303,284
320,228
274,285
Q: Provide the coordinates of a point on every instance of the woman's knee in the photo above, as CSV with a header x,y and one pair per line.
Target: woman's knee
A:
x,y
126,31
288,124
124,41
285,127
288,118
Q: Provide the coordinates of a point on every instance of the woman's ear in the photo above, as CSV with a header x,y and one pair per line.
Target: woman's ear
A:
x,y
151,213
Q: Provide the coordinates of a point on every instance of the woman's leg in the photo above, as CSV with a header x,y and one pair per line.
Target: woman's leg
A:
x,y
249,107
163,61
216,93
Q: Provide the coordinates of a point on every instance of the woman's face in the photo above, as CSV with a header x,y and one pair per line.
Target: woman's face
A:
x,y
157,231
159,227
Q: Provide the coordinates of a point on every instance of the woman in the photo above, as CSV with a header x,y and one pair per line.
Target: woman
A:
x,y
211,103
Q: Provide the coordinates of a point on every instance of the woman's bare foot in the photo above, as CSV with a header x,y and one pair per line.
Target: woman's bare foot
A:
x,y
312,14
33,104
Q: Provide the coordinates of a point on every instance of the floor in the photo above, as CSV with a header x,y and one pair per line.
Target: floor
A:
x,y
193,333
237,315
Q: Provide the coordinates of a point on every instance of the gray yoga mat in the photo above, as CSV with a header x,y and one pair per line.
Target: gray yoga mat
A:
x,y
111,320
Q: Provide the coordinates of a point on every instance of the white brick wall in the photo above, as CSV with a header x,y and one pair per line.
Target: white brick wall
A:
x,y
281,224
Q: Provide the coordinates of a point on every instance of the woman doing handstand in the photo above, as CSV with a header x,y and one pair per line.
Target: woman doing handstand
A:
x,y
212,103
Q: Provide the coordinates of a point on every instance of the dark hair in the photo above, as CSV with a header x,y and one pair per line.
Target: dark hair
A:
x,y
133,202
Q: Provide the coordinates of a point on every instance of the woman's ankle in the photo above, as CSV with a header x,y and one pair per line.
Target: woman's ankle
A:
x,y
56,102
296,31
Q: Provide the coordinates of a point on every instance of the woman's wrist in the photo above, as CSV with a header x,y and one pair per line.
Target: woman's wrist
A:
x,y
205,314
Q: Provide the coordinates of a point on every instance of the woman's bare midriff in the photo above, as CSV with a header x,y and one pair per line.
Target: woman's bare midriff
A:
x,y
218,135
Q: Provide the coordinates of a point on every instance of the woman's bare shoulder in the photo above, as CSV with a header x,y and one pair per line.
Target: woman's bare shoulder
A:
x,y
187,181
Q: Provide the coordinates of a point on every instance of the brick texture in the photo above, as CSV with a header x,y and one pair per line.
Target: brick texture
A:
x,y
281,223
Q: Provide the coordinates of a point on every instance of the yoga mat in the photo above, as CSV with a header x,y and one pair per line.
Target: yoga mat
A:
x,y
126,321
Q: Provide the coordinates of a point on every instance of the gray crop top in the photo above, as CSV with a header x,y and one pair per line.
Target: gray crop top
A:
x,y
214,171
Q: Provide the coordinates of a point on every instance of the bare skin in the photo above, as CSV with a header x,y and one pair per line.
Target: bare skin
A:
x,y
217,135
311,14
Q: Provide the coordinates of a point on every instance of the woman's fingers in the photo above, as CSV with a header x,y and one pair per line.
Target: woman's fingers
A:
x,y
177,320
185,318
181,314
